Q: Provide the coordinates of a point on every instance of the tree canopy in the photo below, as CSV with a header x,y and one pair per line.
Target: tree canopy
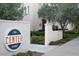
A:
x,y
47,11
63,13
67,13
60,12
11,11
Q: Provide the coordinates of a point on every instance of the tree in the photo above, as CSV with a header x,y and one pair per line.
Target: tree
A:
x,y
75,16
66,13
11,11
61,13
47,11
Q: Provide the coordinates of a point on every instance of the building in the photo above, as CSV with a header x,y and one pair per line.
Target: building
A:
x,y
35,21
32,16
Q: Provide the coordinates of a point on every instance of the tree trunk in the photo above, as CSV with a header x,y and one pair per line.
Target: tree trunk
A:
x,y
63,33
63,30
43,24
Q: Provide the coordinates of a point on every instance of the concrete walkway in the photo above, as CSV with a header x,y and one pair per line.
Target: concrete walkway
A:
x,y
42,48
69,49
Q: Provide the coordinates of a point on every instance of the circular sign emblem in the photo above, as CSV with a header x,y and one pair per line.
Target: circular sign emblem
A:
x,y
13,40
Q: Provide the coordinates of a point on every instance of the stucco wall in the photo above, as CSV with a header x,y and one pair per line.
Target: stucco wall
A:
x,y
51,35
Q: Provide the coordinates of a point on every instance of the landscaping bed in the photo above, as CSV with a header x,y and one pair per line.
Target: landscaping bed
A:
x,y
37,37
29,53
68,35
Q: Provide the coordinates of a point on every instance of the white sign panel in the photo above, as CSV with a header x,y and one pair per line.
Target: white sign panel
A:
x,y
13,40
14,37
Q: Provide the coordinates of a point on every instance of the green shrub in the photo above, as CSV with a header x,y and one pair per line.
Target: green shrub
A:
x,y
66,35
37,33
59,42
70,35
37,39
74,31
28,53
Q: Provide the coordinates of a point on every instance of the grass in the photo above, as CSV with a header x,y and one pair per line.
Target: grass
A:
x,y
69,35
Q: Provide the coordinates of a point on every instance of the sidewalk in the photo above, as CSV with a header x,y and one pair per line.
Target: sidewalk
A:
x,y
69,49
42,48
